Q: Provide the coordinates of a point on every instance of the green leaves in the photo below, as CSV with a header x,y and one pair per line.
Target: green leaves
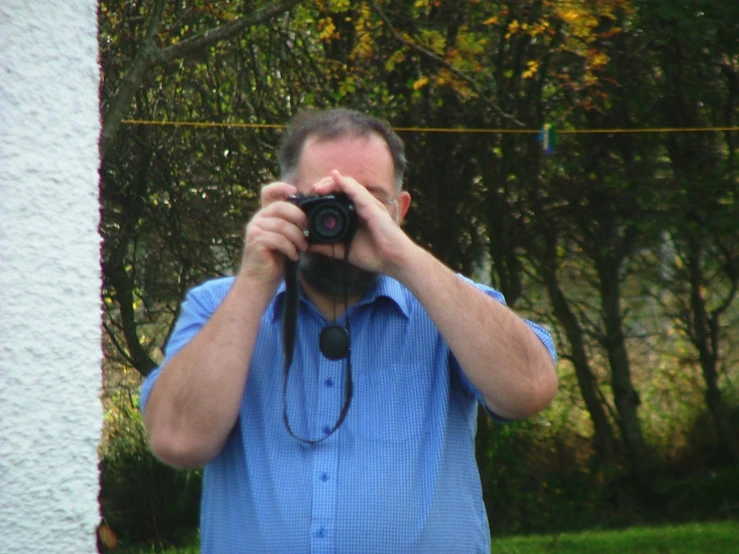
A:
x,y
564,236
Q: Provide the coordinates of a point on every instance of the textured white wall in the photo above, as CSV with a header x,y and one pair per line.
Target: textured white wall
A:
x,y
50,354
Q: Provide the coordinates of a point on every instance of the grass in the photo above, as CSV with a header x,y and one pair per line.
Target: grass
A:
x,y
152,549
690,538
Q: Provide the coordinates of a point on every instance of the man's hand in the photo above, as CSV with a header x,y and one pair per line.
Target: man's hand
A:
x,y
273,233
380,244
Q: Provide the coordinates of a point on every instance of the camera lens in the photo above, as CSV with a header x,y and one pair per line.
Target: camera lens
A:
x,y
329,223
332,218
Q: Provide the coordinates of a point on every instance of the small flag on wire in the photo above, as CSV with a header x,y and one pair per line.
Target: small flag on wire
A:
x,y
548,138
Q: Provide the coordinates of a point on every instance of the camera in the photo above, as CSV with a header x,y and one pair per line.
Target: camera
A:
x,y
332,218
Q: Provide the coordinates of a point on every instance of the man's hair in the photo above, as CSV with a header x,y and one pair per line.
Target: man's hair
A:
x,y
335,124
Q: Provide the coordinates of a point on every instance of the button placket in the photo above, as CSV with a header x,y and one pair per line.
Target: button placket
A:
x,y
330,397
325,492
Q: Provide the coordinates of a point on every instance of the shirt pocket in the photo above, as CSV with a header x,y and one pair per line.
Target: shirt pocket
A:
x,y
390,403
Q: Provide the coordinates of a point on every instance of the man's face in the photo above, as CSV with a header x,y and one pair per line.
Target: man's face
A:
x,y
368,161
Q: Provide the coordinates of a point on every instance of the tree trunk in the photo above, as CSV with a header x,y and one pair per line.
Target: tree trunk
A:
x,y
626,399
706,338
603,438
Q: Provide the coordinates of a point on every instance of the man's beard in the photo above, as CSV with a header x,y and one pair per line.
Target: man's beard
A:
x,y
335,277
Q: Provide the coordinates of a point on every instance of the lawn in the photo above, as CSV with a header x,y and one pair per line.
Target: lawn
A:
x,y
691,538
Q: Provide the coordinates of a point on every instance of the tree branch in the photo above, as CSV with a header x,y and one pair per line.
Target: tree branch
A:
x,y
118,346
150,55
121,284
181,49
443,63
156,19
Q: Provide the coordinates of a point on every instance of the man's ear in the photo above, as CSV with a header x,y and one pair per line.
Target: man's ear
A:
x,y
404,203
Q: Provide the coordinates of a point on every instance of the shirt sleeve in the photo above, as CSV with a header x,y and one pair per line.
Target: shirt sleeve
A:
x,y
199,304
544,336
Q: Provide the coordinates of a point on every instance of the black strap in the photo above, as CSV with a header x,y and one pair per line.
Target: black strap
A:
x,y
289,326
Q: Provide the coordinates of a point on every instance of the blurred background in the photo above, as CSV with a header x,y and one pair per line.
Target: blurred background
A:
x,y
580,156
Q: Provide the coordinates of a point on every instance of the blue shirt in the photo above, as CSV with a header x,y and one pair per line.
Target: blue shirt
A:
x,y
398,476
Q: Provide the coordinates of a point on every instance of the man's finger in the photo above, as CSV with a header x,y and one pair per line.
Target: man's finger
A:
x,y
276,191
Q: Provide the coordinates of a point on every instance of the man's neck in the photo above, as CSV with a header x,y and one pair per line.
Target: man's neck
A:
x,y
331,306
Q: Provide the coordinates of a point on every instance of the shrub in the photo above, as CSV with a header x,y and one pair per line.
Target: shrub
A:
x,y
142,499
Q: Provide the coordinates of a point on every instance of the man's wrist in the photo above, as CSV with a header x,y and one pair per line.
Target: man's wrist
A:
x,y
254,290
411,264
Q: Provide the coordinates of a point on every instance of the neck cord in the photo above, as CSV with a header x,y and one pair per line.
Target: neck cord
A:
x,y
289,324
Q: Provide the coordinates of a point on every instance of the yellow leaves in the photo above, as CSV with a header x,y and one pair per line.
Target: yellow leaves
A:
x,y
585,26
420,83
364,47
513,28
395,58
580,21
228,16
338,6
589,79
495,19
598,59
610,33
532,67
531,29
348,86
446,78
327,29
470,44
326,26
433,40
425,5
540,27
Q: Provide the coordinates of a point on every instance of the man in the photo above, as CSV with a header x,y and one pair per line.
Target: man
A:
x,y
427,346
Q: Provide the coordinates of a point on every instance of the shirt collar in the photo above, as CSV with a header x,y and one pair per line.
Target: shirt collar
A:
x,y
386,288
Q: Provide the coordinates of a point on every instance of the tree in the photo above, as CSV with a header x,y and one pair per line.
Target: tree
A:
x,y
149,54
167,219
699,80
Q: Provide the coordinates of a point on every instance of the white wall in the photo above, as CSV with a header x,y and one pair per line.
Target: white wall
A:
x,y
50,354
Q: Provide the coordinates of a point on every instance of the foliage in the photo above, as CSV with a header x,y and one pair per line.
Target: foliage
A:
x,y
142,499
538,476
624,243
533,482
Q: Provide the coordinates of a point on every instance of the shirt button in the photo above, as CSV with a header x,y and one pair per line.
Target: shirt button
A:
x,y
329,382
326,430
321,533
324,477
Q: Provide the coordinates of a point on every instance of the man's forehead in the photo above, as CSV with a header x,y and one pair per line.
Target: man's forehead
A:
x,y
368,151
338,138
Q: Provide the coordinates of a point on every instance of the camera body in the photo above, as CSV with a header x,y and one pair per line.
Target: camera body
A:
x,y
332,218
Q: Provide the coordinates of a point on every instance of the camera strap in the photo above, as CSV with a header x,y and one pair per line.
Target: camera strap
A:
x,y
289,326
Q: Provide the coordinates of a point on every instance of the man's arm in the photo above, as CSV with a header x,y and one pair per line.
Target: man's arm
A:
x,y
497,351
500,354
196,398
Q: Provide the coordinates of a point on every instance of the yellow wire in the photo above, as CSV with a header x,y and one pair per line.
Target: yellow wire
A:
x,y
199,124
436,129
